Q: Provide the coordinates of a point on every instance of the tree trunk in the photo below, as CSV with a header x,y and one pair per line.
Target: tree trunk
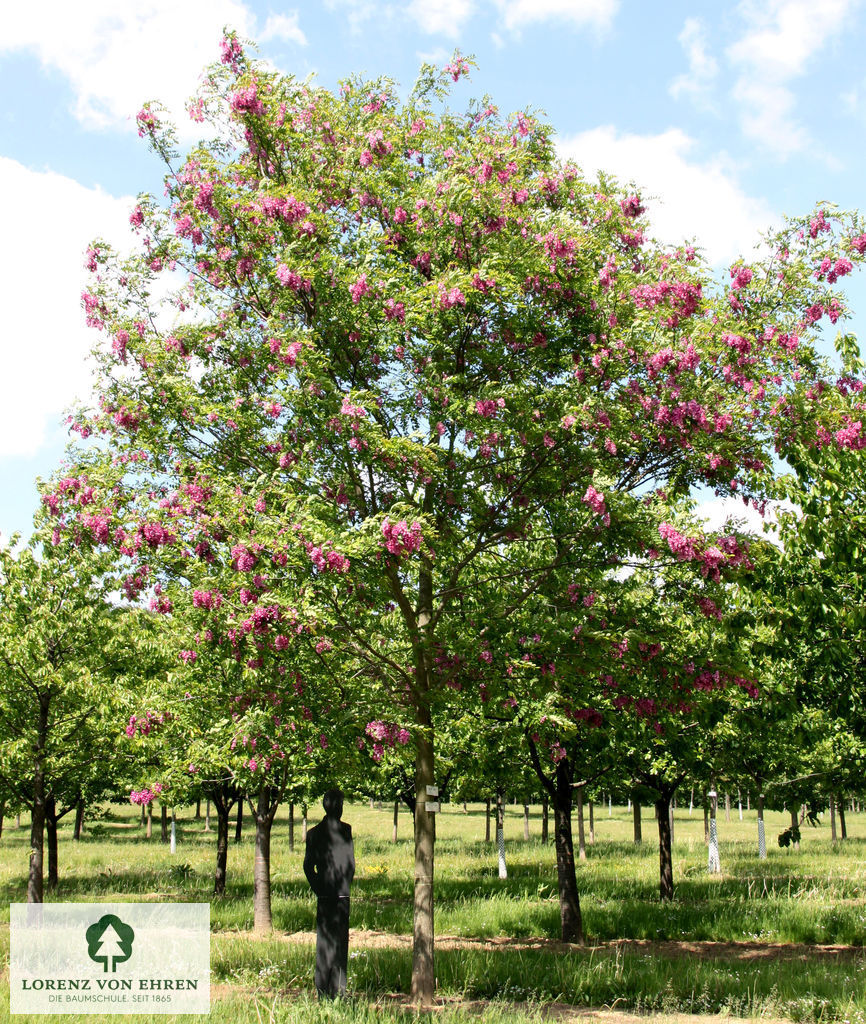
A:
x,y
714,862
423,968
37,839
487,821
304,822
672,806
591,824
264,817
51,837
500,832
727,806
545,813
173,831
163,815
143,815
79,820
762,837
291,826
222,849
35,876
571,922
526,823
396,819
795,826
666,864
706,820
833,836
842,827
239,827
581,837
635,811
149,830
207,816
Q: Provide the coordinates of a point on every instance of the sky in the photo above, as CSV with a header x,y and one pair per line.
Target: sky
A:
x,y
727,116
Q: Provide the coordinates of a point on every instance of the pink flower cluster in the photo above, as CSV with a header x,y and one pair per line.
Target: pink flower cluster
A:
x,y
488,407
385,734
330,561
450,298
595,500
400,538
145,796
681,297
355,411
242,559
741,276
143,726
359,289
210,599
246,100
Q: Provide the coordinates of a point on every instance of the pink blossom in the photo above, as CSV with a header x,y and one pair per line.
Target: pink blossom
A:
x,y
359,289
400,538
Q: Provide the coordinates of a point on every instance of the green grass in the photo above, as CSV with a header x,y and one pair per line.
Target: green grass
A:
x,y
815,895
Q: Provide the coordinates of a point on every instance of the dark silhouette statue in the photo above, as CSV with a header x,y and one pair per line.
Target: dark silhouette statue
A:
x,y
329,865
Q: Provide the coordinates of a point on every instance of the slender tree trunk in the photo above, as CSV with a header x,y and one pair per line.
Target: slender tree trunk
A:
x,y
207,816
37,840
843,828
671,808
691,800
762,837
795,828
264,817
833,836
666,863
526,823
18,820
149,830
143,815
79,820
591,824
635,811
304,822
581,836
500,832
239,827
173,840
423,967
396,819
487,821
706,820
51,837
198,809
727,806
35,876
545,813
292,826
714,863
163,817
739,803
222,850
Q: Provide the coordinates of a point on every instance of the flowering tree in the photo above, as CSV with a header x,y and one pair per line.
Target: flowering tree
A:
x,y
367,345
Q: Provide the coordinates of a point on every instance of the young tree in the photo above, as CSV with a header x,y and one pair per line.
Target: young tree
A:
x,y
402,337
59,706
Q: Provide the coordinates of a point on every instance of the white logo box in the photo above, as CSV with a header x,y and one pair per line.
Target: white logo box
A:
x,y
109,958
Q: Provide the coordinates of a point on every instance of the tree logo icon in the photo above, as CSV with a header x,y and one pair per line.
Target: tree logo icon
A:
x,y
109,941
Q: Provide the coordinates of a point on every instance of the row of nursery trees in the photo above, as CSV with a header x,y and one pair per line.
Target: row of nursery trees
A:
x,y
401,424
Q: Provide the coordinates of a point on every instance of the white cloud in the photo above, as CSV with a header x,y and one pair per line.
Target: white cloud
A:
x,y
703,67
284,26
118,55
446,17
597,14
701,201
780,38
51,219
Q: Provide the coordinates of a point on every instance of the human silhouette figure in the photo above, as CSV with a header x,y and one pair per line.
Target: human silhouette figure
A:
x,y
329,864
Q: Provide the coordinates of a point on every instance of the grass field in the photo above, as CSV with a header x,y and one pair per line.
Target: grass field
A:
x,y
736,943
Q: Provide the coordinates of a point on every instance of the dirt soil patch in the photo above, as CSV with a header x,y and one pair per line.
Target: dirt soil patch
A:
x,y
746,951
